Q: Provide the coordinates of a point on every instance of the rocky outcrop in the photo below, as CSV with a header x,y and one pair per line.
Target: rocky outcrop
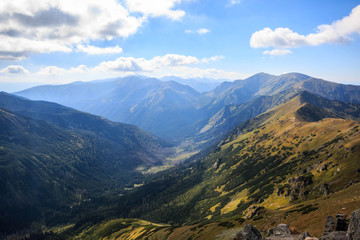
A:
x,y
335,228
282,232
249,233
297,189
353,232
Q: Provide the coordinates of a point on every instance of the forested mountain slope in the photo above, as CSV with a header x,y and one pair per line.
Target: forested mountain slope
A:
x,y
54,157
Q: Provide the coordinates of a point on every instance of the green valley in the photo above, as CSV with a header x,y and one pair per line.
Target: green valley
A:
x,y
288,156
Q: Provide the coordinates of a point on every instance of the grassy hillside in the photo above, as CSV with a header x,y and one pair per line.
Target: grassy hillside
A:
x,y
281,158
295,164
307,216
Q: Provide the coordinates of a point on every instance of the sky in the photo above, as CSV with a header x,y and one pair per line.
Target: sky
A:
x,y
61,41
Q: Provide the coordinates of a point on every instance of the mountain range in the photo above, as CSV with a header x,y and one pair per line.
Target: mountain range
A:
x,y
264,150
176,112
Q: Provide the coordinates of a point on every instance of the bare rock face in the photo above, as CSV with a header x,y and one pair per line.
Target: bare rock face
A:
x,y
353,232
297,188
330,224
335,228
281,230
249,233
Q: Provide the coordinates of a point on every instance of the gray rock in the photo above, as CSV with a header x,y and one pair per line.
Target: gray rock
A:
x,y
353,232
335,228
249,233
281,230
337,235
341,222
330,225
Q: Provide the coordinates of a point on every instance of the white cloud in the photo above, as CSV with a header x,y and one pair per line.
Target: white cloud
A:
x,y
277,52
156,8
19,48
167,64
14,69
279,38
212,59
130,64
56,71
93,50
159,66
52,70
203,31
124,64
338,32
200,31
79,69
173,60
233,2
30,26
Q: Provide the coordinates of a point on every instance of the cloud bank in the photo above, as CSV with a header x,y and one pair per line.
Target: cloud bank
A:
x,y
14,69
338,32
30,26
158,66
156,8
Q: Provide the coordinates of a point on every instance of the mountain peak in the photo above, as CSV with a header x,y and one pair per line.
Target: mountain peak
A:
x,y
295,75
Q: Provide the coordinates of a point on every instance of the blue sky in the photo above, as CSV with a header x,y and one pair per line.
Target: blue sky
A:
x,y
60,41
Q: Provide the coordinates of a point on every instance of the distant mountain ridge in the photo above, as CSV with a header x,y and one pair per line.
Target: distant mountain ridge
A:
x,y
174,111
199,84
148,103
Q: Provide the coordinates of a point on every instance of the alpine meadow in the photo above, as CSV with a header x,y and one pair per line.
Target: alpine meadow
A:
x,y
179,120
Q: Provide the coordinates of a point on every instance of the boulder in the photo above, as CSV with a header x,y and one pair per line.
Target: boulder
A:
x,y
281,230
249,233
330,224
353,232
335,228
